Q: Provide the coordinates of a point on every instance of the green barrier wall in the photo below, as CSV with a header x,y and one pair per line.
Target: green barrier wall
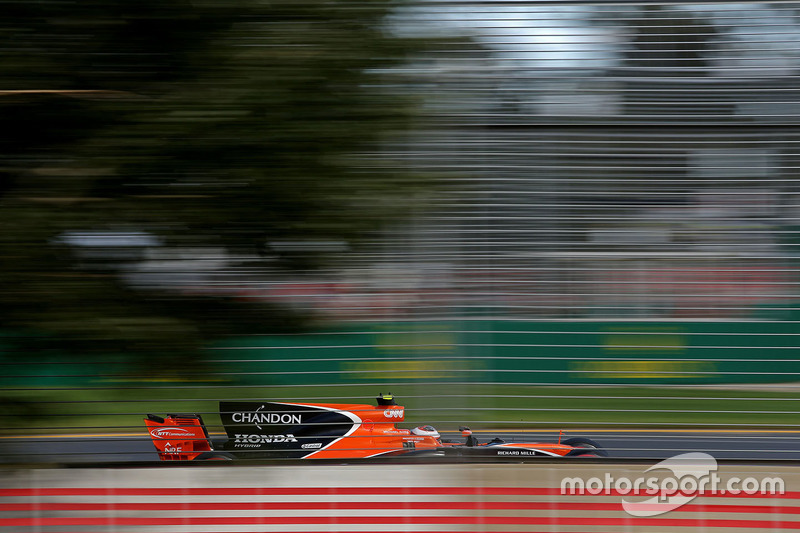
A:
x,y
520,352
477,351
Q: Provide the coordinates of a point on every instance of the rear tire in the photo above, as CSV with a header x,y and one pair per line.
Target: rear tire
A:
x,y
584,447
215,456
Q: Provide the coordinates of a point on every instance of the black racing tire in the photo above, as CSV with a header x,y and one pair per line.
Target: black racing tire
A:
x,y
584,447
215,456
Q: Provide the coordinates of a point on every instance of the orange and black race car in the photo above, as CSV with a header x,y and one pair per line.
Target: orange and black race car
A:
x,y
263,430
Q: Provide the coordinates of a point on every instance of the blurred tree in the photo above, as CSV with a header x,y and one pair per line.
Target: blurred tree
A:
x,y
670,40
216,122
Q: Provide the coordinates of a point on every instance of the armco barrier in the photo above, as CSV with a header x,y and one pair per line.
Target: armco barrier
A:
x,y
370,498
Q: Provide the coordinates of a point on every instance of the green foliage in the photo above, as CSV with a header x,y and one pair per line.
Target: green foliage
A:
x,y
212,123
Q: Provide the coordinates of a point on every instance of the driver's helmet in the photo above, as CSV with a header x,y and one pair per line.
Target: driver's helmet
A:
x,y
425,431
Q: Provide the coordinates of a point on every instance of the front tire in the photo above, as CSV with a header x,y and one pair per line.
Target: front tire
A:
x,y
584,447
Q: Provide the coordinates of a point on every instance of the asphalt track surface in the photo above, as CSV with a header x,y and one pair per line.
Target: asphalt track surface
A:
x,y
645,444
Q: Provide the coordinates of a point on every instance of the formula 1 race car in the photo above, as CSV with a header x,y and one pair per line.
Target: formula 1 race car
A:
x,y
265,430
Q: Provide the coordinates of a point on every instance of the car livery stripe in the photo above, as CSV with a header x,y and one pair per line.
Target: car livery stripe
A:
x,y
352,416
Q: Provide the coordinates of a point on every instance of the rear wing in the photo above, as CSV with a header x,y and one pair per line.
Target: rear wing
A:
x,y
178,437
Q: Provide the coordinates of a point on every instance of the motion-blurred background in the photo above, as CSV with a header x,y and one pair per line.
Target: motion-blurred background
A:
x,y
535,214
